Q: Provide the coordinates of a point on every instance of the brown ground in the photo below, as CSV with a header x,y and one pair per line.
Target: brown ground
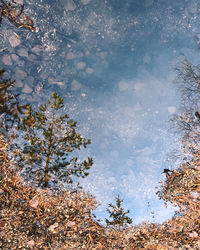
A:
x,y
43,219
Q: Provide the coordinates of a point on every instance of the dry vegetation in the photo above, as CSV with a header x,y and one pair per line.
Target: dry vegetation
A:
x,y
33,218
45,219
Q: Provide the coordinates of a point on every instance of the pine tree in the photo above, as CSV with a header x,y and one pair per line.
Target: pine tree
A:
x,y
10,108
118,215
46,153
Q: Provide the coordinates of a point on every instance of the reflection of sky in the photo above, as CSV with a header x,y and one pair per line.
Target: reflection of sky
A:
x,y
112,61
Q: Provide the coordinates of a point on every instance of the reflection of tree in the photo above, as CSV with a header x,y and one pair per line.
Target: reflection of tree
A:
x,y
118,215
182,186
10,109
187,121
49,139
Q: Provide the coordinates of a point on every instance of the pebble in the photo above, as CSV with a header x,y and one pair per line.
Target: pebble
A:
x,y
23,52
76,85
19,1
85,2
15,57
18,84
43,75
20,63
37,49
30,80
80,65
27,89
31,57
53,81
14,41
89,70
6,59
72,55
20,74
70,5
123,85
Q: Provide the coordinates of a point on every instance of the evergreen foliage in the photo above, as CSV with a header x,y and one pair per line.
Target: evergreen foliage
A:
x,y
118,215
46,152
10,108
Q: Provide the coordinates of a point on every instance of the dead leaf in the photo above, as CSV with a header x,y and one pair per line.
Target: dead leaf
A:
x,y
71,224
52,227
34,203
31,243
193,234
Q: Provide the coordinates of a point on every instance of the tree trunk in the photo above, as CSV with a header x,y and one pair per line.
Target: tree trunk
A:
x,y
48,158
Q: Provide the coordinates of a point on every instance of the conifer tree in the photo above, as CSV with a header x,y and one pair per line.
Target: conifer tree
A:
x,y
47,150
118,215
10,108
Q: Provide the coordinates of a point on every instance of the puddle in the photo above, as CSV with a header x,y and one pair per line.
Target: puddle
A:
x,y
113,65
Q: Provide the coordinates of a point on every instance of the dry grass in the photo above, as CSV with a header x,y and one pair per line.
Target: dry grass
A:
x,y
45,219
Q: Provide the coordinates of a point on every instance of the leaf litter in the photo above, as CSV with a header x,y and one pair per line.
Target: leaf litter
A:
x,y
33,218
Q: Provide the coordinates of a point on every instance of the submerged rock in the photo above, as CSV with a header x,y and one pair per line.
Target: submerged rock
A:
x,y
80,65
37,49
15,57
6,59
23,52
14,41
76,85
20,74
85,2
27,89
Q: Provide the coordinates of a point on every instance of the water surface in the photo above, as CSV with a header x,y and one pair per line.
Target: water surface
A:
x,y
113,63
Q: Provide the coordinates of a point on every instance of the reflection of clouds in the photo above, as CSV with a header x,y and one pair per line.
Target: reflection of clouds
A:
x,y
100,183
131,118
134,188
128,111
137,107
157,213
163,213
125,130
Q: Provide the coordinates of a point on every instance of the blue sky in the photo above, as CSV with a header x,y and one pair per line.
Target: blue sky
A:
x,y
113,63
